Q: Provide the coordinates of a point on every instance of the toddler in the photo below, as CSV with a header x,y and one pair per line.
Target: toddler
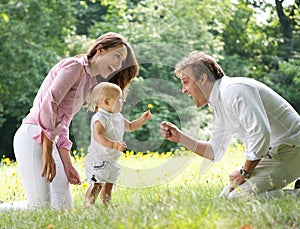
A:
x,y
107,129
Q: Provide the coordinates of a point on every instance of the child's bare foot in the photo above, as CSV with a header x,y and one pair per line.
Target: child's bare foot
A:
x,y
92,194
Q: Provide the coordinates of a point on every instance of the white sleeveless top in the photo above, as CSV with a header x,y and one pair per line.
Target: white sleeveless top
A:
x,y
114,126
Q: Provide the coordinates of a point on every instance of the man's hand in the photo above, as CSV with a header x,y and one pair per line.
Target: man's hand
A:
x,y
170,132
236,179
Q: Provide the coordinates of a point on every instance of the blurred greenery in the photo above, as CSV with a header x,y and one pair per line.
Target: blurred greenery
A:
x,y
249,38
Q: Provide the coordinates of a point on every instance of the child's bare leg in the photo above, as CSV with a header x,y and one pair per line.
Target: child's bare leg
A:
x,y
92,193
106,193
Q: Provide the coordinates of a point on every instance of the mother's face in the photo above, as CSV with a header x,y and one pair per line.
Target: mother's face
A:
x,y
110,60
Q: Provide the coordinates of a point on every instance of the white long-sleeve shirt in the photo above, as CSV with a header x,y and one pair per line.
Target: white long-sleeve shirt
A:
x,y
253,113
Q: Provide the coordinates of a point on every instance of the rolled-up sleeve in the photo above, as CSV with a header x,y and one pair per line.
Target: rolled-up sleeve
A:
x,y
63,139
52,119
220,138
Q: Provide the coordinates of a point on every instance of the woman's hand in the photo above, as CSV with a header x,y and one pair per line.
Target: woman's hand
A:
x,y
71,172
49,166
170,132
72,175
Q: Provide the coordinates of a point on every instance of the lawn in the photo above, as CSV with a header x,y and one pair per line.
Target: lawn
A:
x,y
182,196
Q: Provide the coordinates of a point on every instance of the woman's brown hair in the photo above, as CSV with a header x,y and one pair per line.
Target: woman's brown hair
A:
x,y
129,67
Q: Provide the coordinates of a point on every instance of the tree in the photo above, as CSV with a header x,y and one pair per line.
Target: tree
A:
x,y
36,34
268,50
32,39
162,32
289,19
87,14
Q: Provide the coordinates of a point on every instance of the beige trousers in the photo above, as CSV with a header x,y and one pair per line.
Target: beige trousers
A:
x,y
271,174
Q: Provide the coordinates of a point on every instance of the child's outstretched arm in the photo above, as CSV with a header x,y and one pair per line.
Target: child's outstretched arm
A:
x,y
104,141
134,125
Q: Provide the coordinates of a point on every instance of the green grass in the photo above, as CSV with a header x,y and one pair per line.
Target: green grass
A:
x,y
190,200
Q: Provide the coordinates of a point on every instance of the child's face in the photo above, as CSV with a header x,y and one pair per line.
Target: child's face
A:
x,y
116,104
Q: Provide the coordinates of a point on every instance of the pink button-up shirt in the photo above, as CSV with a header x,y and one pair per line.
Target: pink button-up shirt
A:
x,y
59,98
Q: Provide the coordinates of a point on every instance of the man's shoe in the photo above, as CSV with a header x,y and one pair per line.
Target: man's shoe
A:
x,y
297,184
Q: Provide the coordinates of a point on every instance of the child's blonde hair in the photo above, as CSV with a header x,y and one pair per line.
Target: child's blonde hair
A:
x,y
98,93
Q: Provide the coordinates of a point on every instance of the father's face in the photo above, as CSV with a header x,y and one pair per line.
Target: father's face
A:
x,y
194,88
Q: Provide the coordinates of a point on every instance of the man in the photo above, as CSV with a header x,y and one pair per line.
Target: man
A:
x,y
267,124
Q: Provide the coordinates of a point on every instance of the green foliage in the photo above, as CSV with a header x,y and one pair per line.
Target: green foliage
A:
x,y
36,34
250,47
30,45
165,108
286,81
168,105
148,136
81,129
160,22
261,50
87,13
31,41
160,35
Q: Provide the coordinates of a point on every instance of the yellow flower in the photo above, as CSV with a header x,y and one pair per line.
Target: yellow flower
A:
x,y
73,211
150,106
157,197
85,185
7,161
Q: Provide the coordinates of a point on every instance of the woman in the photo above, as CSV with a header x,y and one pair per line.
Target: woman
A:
x,y
42,144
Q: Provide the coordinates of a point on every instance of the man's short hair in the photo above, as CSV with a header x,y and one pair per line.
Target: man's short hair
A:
x,y
200,63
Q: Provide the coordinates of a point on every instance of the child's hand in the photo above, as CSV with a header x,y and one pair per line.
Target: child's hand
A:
x,y
120,146
147,115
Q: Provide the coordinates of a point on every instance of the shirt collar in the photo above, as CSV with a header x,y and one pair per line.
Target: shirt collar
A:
x,y
214,93
85,64
107,112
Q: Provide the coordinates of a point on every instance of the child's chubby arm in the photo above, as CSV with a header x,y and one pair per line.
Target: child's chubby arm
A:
x,y
131,126
104,141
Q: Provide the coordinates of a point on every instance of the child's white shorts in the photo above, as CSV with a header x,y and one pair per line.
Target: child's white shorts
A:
x,y
102,171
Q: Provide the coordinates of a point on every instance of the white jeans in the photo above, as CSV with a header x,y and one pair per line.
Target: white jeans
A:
x,y
40,193
271,174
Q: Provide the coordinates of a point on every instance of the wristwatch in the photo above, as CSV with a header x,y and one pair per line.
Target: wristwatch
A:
x,y
244,173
